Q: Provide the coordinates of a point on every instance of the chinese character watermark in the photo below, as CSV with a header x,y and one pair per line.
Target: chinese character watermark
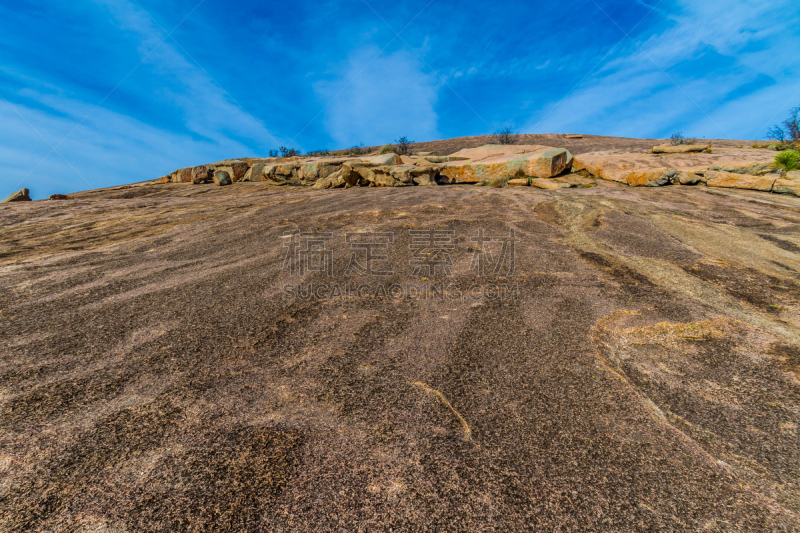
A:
x,y
307,252
373,247
431,250
505,260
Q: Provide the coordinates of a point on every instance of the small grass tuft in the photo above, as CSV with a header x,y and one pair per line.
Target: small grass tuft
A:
x,y
788,160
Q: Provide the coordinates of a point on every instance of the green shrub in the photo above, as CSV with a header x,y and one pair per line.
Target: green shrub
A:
x,y
387,149
788,160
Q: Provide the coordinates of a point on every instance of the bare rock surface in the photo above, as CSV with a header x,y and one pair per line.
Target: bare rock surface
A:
x,y
637,370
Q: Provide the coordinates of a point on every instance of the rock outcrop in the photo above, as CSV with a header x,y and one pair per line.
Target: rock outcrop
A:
x,y
22,195
511,165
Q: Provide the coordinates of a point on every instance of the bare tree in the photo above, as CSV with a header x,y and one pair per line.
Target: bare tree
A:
x,y
404,145
505,136
792,124
677,139
777,134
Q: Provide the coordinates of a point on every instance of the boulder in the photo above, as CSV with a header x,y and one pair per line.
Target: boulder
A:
x,y
425,176
385,159
652,178
687,178
186,175
519,182
357,172
312,171
739,181
236,168
784,186
59,197
22,195
388,176
334,181
255,172
545,163
350,176
412,175
573,181
221,177
202,174
283,174
793,175
680,148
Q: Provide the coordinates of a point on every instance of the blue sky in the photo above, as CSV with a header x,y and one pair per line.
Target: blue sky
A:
x,y
103,92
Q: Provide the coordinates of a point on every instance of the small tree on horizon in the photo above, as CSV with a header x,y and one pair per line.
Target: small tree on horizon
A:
x,y
404,145
777,134
678,139
505,136
790,129
792,124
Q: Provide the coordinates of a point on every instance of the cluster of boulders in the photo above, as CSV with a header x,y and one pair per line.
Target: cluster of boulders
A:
x,y
515,165
24,195
474,165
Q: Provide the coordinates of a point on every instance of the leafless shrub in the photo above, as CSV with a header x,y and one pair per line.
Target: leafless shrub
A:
x,y
403,146
678,139
505,136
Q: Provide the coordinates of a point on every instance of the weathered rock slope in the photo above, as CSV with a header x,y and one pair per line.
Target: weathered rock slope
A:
x,y
636,371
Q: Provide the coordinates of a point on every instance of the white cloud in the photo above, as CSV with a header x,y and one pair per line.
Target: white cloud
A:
x,y
388,99
108,149
640,91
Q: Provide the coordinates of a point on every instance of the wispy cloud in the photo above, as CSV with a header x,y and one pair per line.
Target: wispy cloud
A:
x,y
712,69
392,98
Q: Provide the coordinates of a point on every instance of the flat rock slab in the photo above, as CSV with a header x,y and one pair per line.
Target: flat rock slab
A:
x,y
493,150
573,181
680,148
638,168
544,163
739,181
